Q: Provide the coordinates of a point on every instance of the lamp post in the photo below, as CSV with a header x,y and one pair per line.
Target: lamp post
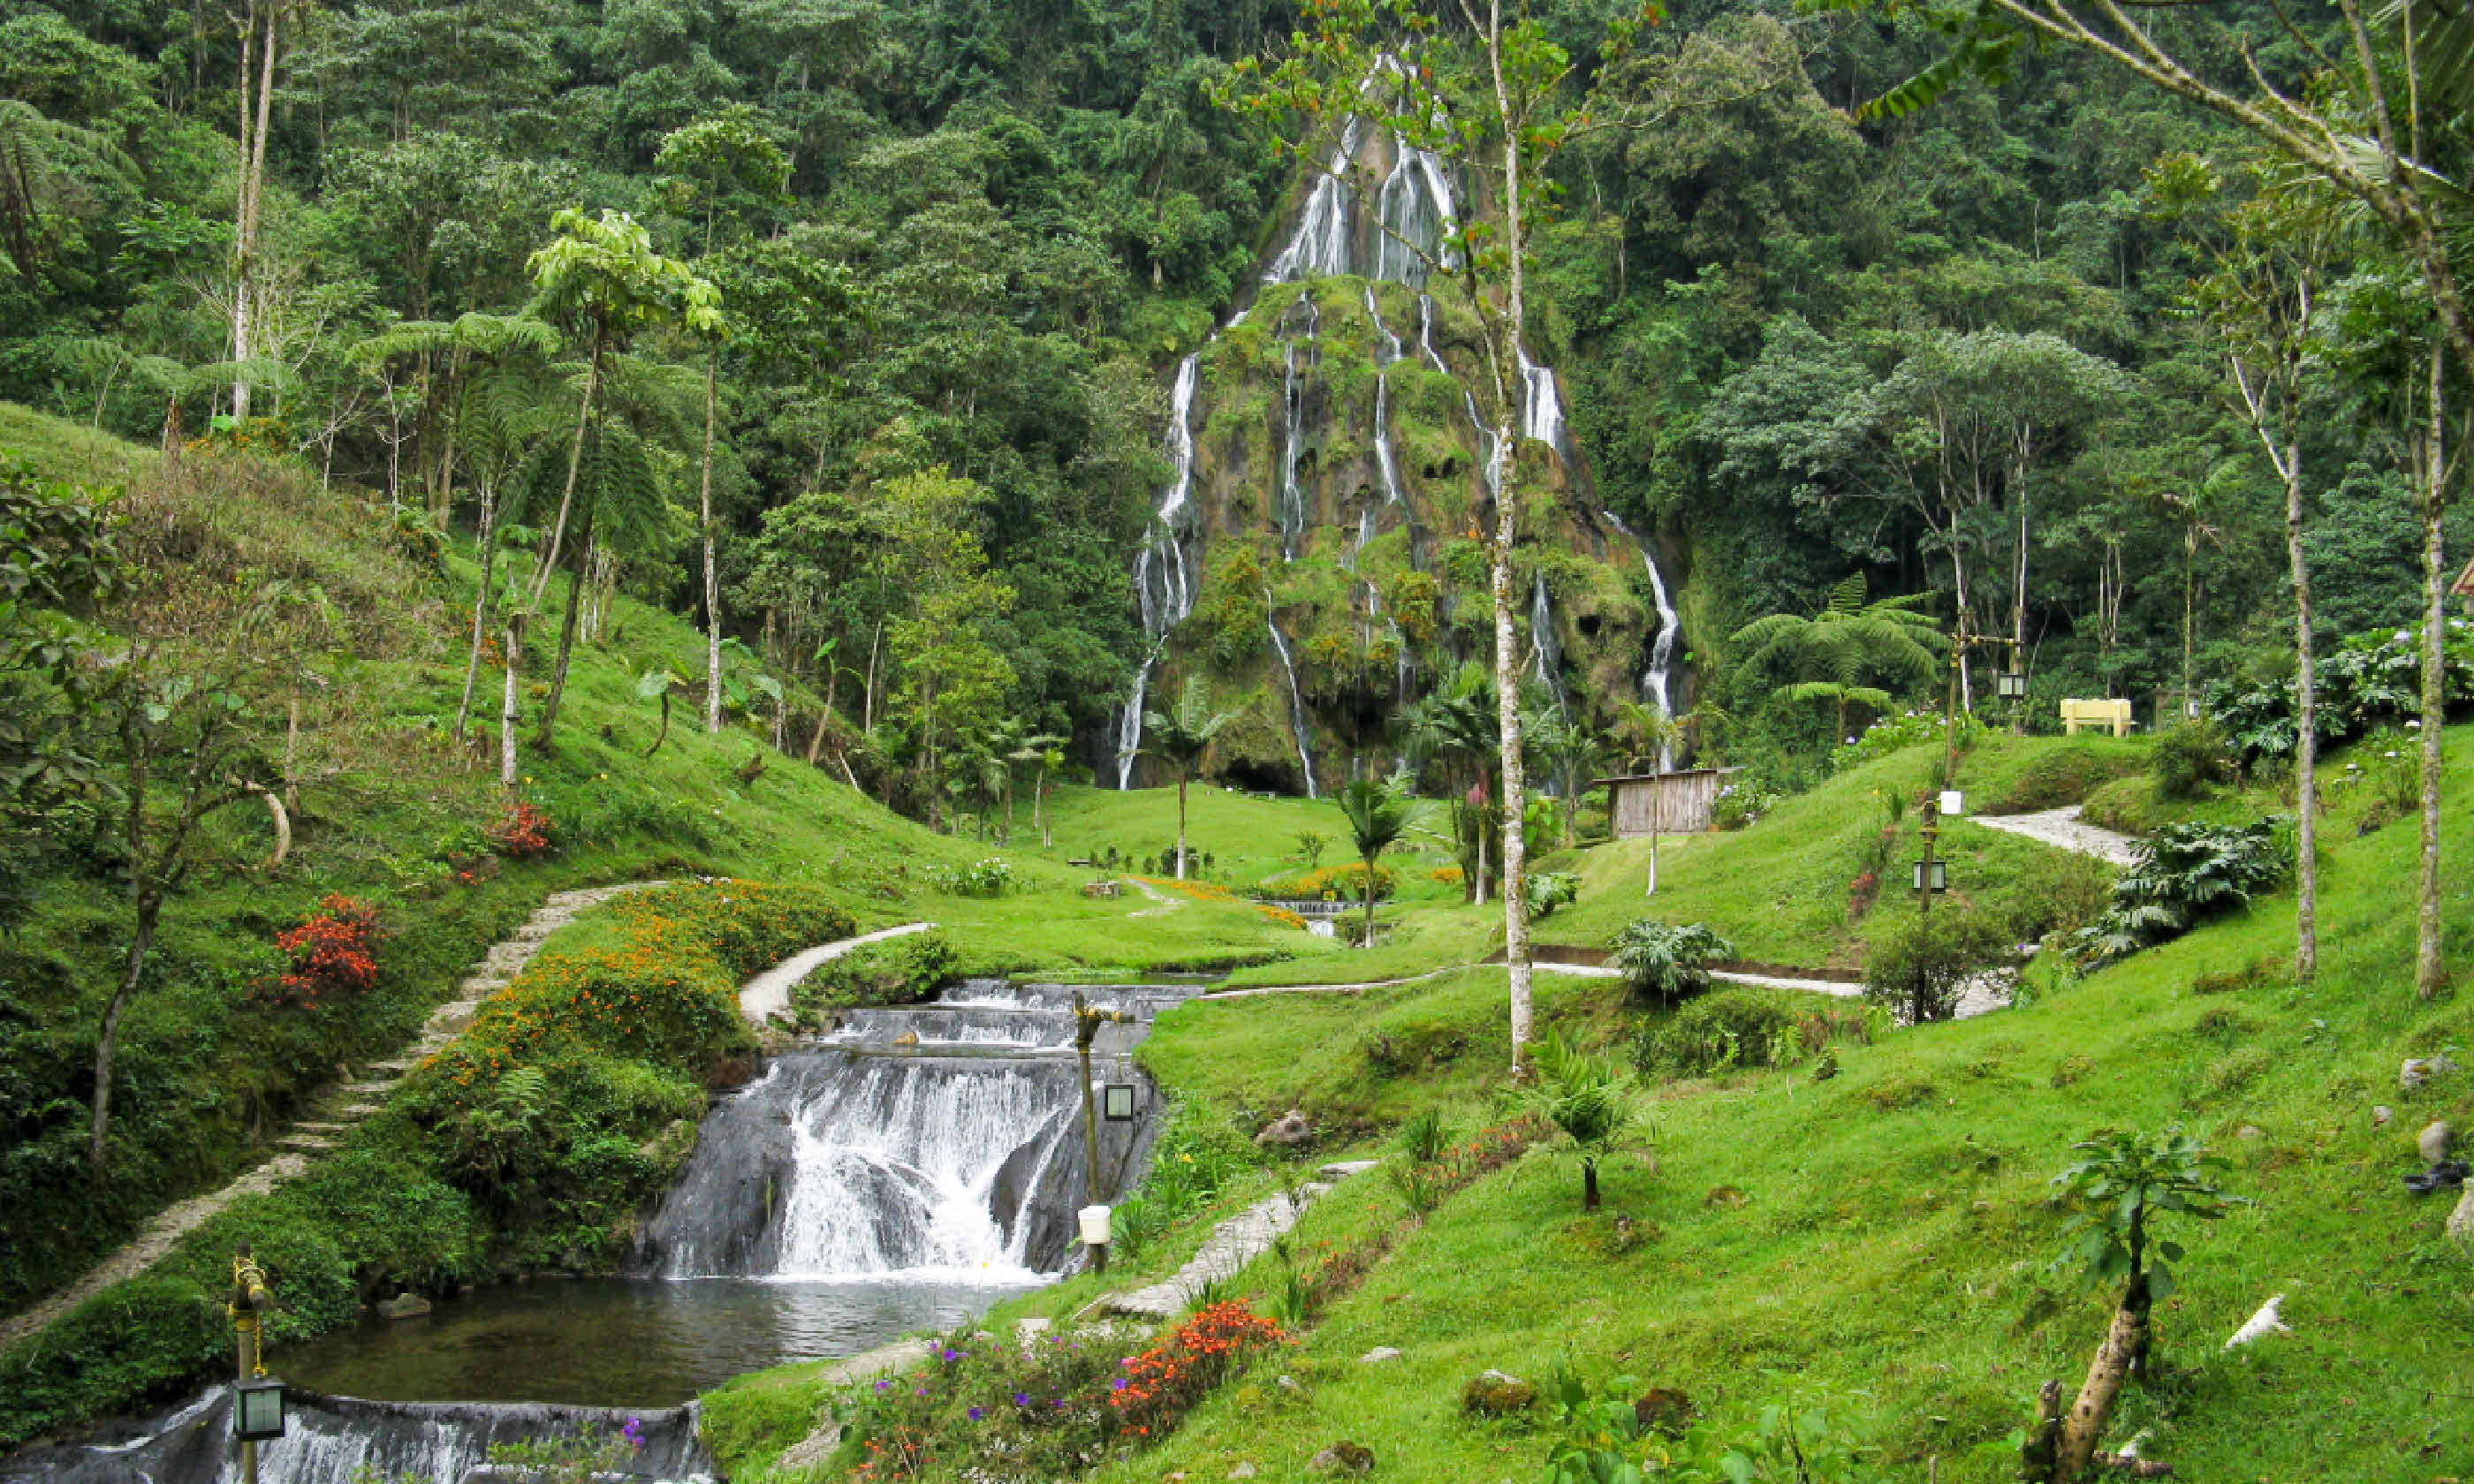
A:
x,y
1086,1029
2012,684
258,1404
1949,714
1932,874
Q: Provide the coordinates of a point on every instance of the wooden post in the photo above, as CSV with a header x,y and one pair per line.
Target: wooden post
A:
x,y
1086,1029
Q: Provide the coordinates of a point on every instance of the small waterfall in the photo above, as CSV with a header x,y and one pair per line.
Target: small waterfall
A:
x,y
1164,568
1542,407
1297,709
332,1437
1655,680
1318,249
941,1141
1385,461
1292,500
1426,333
1546,662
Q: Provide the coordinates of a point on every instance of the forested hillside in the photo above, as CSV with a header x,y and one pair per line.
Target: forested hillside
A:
x,y
957,251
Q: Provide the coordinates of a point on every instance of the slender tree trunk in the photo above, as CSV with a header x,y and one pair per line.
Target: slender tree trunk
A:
x,y
2428,972
1653,850
1589,1185
712,583
2306,742
480,606
663,734
515,637
244,225
575,462
575,584
1039,806
1366,890
1180,823
107,1043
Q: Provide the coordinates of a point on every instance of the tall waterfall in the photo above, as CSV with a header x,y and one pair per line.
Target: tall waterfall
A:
x,y
941,1141
1164,569
1296,708
1657,678
1545,659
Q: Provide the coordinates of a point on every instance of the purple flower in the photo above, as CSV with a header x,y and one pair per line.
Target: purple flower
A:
x,y
976,1413
884,1385
1119,1384
1022,1398
634,1433
921,1392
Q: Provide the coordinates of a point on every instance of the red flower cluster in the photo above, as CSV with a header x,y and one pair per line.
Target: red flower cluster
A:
x,y
333,953
1162,1383
525,832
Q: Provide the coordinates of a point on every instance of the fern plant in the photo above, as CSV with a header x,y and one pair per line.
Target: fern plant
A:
x,y
1670,960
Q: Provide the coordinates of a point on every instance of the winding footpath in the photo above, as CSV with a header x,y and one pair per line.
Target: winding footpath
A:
x,y
769,993
1232,1244
2064,830
304,1141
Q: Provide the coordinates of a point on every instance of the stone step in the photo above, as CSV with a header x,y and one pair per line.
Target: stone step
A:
x,y
305,1143
374,1084
398,1066
362,1110
319,1128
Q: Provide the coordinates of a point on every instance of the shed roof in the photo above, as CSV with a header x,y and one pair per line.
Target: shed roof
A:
x,y
1652,777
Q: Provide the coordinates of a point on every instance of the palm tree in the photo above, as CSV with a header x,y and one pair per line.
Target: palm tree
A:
x,y
1658,735
1378,815
1850,642
1044,752
1180,737
1570,748
1586,1097
1457,723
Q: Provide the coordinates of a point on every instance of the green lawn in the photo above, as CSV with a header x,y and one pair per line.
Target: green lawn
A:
x,y
1890,1245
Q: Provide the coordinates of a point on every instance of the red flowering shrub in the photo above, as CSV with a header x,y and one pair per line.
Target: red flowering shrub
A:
x,y
525,833
1163,1383
333,954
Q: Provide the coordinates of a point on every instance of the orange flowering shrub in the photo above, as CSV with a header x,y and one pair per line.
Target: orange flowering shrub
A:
x,y
525,832
1163,1383
333,954
1344,882
1213,890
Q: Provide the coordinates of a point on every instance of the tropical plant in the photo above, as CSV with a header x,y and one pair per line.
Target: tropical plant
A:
x,y
1588,1098
1456,725
2121,1184
1180,737
1549,890
1311,844
1378,815
1423,1136
1850,652
1668,960
2185,873
655,684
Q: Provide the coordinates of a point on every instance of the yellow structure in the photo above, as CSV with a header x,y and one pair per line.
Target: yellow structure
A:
x,y
2113,715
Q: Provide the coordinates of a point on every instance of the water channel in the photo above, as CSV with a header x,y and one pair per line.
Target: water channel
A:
x,y
906,1171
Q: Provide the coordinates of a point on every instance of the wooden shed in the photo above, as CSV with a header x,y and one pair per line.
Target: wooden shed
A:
x,y
1679,803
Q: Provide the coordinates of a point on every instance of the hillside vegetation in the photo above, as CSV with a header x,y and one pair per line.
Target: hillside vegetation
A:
x,y
1876,1244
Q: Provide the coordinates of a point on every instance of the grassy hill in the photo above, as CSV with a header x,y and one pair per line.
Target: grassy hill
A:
x,y
1880,1239
391,809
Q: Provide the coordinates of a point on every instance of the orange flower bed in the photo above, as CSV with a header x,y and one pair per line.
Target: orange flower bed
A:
x,y
1163,1383
1213,890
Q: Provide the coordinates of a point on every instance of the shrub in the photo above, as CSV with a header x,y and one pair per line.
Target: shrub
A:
x,y
2189,757
524,832
333,954
2059,775
1918,966
1163,1383
2056,892
1734,1027
2369,679
897,971
1448,875
987,878
1548,890
1668,960
2185,873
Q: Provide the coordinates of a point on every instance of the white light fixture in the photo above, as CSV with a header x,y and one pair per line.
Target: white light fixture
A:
x,y
257,1410
1953,804
1095,1224
2011,685
1117,1102
1935,871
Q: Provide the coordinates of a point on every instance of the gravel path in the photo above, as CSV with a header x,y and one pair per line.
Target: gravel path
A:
x,y
304,1141
2064,830
1232,1244
769,993
1166,903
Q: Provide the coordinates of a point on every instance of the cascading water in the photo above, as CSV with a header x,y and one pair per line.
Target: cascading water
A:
x,y
1293,500
1545,660
937,1142
1657,678
1296,708
331,1439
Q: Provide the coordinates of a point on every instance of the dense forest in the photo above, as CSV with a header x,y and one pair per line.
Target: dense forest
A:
x,y
948,255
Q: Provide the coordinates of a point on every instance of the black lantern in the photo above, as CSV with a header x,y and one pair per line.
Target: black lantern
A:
x,y
1117,1102
257,1410
2011,685
1933,876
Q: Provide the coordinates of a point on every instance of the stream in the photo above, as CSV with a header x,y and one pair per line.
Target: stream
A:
x,y
906,1171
